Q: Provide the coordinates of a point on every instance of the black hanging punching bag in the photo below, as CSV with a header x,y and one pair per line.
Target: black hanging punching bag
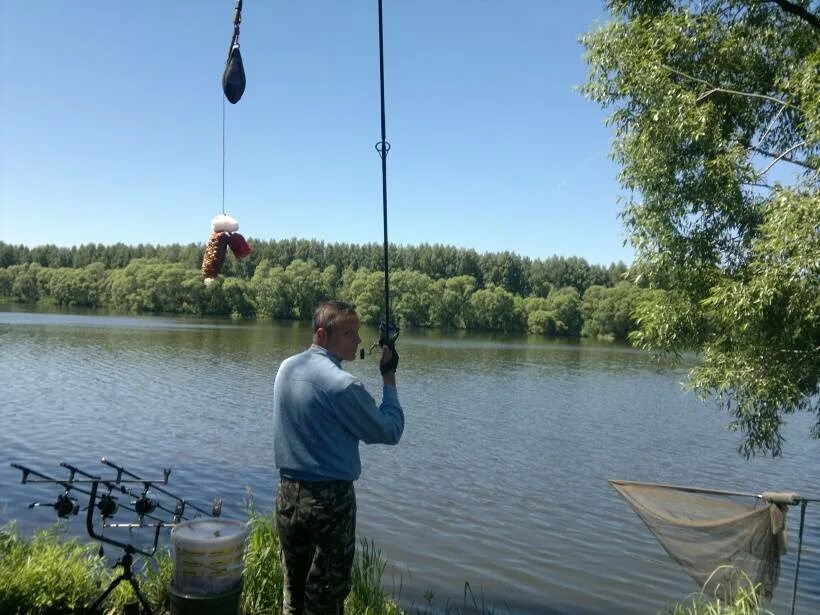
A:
x,y
233,79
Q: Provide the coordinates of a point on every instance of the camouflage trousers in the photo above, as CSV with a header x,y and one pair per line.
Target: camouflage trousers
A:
x,y
317,531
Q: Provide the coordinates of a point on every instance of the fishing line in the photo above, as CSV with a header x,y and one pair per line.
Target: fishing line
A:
x,y
223,227
233,81
223,154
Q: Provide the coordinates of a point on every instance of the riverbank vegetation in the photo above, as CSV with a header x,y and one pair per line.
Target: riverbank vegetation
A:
x,y
431,286
714,108
745,600
52,574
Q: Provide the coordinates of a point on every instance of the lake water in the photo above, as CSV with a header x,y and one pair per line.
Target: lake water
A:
x,y
500,480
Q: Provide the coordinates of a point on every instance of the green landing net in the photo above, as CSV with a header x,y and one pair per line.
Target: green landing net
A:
x,y
721,542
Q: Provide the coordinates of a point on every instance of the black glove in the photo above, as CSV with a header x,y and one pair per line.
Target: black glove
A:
x,y
391,364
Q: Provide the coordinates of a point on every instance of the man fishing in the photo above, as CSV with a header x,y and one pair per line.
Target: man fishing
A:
x,y
320,414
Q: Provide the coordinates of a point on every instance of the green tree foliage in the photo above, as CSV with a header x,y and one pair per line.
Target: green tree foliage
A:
x,y
23,287
610,312
541,280
565,307
448,301
365,290
292,292
716,115
286,286
495,309
564,272
306,287
6,281
410,298
520,276
270,291
148,285
86,287
236,294
540,320
11,255
504,270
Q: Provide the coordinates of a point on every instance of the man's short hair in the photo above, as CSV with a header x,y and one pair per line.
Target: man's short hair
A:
x,y
329,313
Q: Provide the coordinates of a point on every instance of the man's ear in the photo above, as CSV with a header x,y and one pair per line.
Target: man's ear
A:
x,y
321,336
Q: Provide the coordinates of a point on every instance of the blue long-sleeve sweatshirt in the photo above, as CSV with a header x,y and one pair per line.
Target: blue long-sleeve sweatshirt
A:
x,y
321,412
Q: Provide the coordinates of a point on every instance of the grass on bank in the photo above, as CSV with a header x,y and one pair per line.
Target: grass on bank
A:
x,y
52,574
744,600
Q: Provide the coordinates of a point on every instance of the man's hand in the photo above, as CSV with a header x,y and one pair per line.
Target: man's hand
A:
x,y
389,361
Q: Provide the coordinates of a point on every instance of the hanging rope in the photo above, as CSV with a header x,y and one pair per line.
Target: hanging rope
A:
x,y
233,81
223,156
224,228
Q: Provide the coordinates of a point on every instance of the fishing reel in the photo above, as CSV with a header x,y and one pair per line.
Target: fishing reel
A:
x,y
144,505
388,334
107,505
66,505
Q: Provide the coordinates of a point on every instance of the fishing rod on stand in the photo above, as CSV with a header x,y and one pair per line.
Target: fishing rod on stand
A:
x,y
108,505
388,330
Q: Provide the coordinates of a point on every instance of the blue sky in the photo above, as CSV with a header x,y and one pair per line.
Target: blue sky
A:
x,y
111,124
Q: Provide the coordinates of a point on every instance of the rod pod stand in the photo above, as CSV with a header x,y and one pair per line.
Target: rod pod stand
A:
x,y
126,561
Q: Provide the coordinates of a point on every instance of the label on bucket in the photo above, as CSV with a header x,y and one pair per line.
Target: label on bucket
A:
x,y
208,555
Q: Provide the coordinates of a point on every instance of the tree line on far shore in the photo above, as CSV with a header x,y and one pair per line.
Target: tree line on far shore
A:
x,y
430,285
519,275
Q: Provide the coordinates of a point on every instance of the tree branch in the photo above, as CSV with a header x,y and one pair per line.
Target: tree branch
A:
x,y
771,125
783,156
714,89
799,11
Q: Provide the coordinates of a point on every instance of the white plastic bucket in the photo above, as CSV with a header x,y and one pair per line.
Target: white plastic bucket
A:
x,y
208,555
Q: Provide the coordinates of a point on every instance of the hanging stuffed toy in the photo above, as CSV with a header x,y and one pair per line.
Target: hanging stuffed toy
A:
x,y
223,236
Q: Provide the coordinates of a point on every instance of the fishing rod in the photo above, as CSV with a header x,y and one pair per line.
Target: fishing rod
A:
x,y
216,509
388,330
67,505
107,503
143,505
233,86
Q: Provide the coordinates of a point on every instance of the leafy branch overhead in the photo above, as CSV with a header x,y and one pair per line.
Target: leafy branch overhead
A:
x,y
715,107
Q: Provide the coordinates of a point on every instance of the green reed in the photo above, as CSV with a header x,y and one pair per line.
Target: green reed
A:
x,y
47,574
744,599
51,574
262,577
367,595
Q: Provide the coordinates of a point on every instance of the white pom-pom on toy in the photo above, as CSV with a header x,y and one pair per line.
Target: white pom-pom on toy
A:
x,y
223,223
